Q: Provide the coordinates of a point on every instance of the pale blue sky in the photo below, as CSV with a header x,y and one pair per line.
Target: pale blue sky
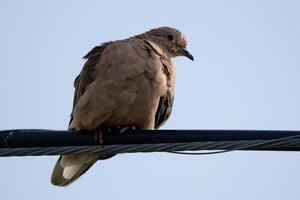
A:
x,y
245,76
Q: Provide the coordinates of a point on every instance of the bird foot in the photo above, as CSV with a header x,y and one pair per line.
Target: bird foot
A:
x,y
126,128
99,135
100,132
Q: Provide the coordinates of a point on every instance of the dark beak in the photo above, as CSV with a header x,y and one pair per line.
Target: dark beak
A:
x,y
187,54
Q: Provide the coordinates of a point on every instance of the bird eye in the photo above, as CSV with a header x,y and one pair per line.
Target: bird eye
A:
x,y
170,37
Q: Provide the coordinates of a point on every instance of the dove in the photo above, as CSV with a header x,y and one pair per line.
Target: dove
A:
x,y
124,83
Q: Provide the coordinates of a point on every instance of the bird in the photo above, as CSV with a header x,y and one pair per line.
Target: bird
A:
x,y
127,84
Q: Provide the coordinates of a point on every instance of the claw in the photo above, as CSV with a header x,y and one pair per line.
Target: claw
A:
x,y
127,128
99,135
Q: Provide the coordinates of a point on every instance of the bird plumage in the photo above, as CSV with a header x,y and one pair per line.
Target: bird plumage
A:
x,y
123,83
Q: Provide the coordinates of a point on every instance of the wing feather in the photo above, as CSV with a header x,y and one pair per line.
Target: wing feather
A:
x,y
86,75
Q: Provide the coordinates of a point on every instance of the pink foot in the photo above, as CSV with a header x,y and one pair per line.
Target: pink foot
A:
x,y
99,135
127,128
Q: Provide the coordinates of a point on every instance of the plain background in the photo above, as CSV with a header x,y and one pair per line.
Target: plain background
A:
x,y
245,76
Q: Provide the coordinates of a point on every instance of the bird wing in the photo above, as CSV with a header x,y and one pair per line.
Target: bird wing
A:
x,y
124,83
164,110
165,104
87,74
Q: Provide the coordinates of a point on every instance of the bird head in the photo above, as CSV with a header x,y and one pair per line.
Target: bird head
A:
x,y
171,40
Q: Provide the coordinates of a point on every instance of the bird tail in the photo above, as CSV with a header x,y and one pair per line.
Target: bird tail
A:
x,y
68,168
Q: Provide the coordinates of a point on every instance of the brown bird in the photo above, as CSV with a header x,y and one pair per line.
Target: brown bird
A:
x,y
126,83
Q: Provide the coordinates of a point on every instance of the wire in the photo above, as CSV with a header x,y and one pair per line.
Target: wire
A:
x,y
236,149
51,142
199,153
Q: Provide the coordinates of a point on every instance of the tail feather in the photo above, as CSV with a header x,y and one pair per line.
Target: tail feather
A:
x,y
65,175
68,168
70,171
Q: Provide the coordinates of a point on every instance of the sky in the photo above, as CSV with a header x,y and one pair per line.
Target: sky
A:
x,y
245,76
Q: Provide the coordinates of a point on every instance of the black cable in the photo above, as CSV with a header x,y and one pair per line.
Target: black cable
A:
x,y
31,142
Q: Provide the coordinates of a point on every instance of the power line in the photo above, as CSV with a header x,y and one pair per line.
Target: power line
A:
x,y
32,142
